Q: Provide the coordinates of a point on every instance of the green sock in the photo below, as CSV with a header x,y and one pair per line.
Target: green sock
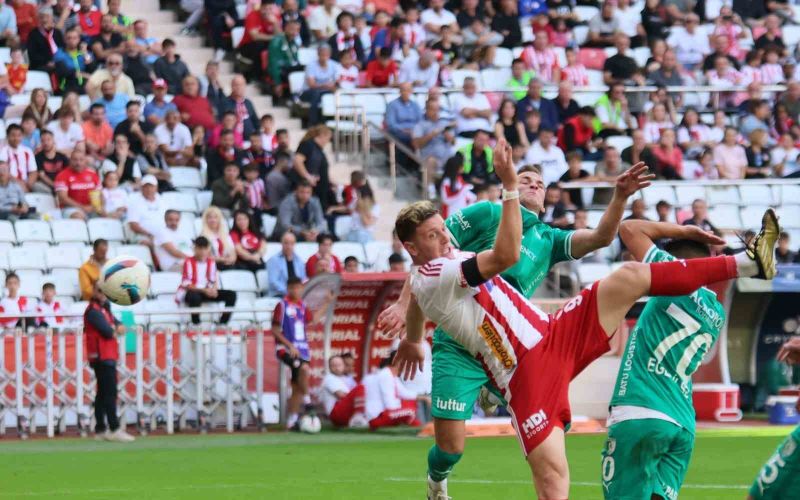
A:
x,y
440,463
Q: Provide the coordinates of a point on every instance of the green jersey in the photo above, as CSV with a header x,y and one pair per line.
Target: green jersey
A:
x,y
665,348
475,227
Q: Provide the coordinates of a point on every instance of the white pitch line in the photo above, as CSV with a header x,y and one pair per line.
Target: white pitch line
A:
x,y
575,483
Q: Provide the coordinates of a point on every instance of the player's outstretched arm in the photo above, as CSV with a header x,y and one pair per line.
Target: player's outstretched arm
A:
x,y
639,235
392,320
585,241
506,250
410,356
790,351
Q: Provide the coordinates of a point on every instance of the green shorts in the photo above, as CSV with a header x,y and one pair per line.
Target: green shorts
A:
x,y
645,457
457,379
780,476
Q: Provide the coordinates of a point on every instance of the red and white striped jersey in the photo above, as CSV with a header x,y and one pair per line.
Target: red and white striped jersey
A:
x,y
575,74
494,322
14,305
49,314
772,74
21,161
544,62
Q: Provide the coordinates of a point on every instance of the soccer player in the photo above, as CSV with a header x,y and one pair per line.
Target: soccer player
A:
x,y
289,321
651,425
528,356
779,479
457,376
387,402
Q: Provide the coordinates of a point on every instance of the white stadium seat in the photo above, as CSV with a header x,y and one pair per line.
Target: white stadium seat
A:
x,y
460,75
305,250
238,281
26,258
43,203
30,282
717,195
108,229
687,194
725,216
262,280
7,233
141,252
32,230
268,223
242,319
37,80
237,34
495,78
272,249
306,55
69,230
789,33
180,200
160,306
296,81
164,283
66,284
203,200
264,307
595,78
377,254
344,249
656,193
503,57
342,226
60,257
790,194
641,55
789,218
580,33
186,177
585,12
751,216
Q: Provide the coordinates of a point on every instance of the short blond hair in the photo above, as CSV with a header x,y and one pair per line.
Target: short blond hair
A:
x,y
411,217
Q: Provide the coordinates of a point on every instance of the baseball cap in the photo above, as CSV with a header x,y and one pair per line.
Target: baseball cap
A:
x,y
150,179
160,83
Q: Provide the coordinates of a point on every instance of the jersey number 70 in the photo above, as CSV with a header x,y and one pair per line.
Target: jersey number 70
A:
x,y
690,326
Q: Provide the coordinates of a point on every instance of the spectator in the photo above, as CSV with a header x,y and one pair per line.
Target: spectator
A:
x,y
89,272
278,185
397,263
290,319
98,133
49,161
25,14
152,162
423,72
403,114
133,128
578,133
283,57
436,16
228,122
534,101
657,122
668,74
791,100
343,404
195,9
66,133
613,113
700,217
669,157
311,164
555,212
149,47
619,67
433,136
248,241
784,158
574,72
228,190
730,157
322,21
44,43
772,34
731,29
783,254
324,253
506,22
215,229
8,25
123,163
725,76
693,135
49,308
17,71
38,109
224,154
608,169
195,109
566,106
346,40
200,282
320,80
757,118
477,36
302,214
602,27
478,164
101,328
106,43
169,67
123,85
13,303
261,159
719,44
520,79
454,191
31,135
638,151
759,163
284,266
690,44
246,117
172,245
89,20
573,198
113,102
472,110
114,198
508,127
291,13
260,26
211,87
364,219
351,264
175,141
221,16
156,110
146,212
706,170
136,69
392,39
382,71
548,156
71,63
122,23
654,20
12,197
73,186
542,59
21,161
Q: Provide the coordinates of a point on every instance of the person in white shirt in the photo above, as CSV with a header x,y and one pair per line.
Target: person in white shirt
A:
x,y
629,21
343,403
12,303
437,16
66,133
115,198
172,246
422,72
387,402
146,212
49,308
322,21
175,140
21,161
346,72
473,110
548,156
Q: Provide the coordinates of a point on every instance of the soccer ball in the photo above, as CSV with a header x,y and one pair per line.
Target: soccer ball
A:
x,y
310,424
125,280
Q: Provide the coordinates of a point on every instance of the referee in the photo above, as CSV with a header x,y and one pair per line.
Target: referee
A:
x,y
100,327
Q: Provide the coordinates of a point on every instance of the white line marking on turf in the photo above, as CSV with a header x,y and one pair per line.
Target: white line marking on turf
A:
x,y
574,483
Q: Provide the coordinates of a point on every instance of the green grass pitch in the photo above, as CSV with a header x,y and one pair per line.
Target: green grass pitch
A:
x,y
337,465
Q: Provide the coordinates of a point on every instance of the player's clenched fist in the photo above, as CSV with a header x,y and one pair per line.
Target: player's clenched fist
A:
x,y
504,166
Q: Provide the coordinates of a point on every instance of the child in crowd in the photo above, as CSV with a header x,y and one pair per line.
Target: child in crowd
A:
x,y
454,191
114,197
347,72
269,139
31,135
255,190
49,308
12,303
17,71
574,72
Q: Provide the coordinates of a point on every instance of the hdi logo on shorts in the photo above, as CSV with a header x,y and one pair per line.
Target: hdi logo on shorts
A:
x,y
534,423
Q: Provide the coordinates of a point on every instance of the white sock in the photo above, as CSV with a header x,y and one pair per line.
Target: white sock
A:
x,y
745,266
291,420
437,485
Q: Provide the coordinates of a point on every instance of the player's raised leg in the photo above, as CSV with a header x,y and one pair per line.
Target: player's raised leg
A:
x,y
549,467
618,292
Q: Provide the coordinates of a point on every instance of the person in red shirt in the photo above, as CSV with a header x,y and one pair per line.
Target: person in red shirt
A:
x,y
382,72
89,19
195,109
17,71
98,133
27,18
324,252
669,158
74,186
249,242
259,28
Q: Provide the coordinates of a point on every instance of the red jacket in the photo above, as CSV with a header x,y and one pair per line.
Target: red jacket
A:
x,y
582,134
98,346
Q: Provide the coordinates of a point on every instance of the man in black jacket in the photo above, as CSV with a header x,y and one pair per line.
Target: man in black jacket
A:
x,y
346,40
43,43
224,154
241,105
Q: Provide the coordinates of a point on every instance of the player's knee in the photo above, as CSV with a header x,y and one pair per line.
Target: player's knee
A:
x,y
451,444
